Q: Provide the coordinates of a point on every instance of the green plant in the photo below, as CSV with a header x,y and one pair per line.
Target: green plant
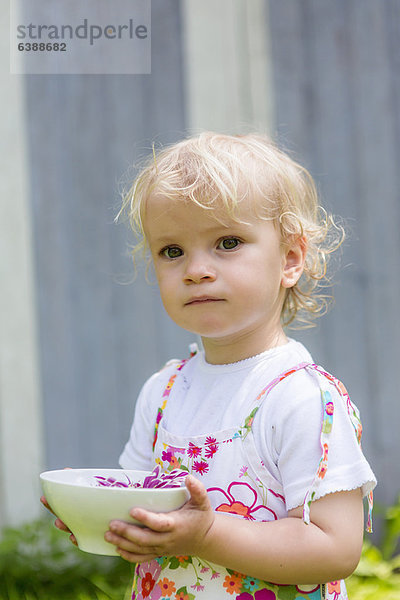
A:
x,y
377,576
37,562
392,530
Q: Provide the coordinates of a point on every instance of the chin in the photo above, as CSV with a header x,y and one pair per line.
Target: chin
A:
x,y
208,328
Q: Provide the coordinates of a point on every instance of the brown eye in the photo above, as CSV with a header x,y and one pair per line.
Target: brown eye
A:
x,y
229,243
172,252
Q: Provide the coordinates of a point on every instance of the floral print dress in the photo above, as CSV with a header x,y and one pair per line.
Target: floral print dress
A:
x,y
237,483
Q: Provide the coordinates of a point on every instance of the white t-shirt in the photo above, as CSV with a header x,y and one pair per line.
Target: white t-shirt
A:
x,y
286,428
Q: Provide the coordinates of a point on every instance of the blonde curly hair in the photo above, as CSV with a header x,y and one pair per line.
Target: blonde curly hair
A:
x,y
212,168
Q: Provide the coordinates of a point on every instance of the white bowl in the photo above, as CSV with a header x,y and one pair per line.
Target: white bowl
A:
x,y
87,508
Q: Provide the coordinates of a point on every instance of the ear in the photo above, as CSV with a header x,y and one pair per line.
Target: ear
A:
x,y
294,257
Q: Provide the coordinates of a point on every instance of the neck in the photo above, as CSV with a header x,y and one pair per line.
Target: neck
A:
x,y
225,351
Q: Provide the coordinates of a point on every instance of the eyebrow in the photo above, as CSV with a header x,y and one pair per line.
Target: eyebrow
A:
x,y
166,238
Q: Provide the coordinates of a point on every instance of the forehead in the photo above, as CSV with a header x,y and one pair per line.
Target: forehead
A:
x,y
160,210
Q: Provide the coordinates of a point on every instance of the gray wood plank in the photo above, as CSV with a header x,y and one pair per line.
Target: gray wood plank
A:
x,y
99,339
337,98
336,74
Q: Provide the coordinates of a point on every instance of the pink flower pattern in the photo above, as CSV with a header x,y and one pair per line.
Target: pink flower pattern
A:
x,y
240,499
252,501
148,573
193,451
200,467
193,458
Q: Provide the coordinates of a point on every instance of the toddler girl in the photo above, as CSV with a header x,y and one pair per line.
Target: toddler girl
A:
x,y
270,440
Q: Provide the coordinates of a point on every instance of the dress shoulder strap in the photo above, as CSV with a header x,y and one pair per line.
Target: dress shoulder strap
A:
x,y
265,391
325,382
164,398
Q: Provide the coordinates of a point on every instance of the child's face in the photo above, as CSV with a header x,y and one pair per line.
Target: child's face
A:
x,y
224,282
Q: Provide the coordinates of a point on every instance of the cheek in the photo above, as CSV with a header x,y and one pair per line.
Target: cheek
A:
x,y
167,288
263,275
164,287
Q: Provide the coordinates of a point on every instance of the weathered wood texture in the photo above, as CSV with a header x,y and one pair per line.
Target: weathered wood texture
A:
x,y
336,88
337,100
99,339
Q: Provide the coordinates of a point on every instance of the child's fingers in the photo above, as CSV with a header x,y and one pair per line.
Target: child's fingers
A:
x,y
161,522
125,542
138,540
61,525
58,523
135,558
198,493
130,548
43,500
73,539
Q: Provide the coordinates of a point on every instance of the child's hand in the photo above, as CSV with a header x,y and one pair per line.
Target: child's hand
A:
x,y
181,532
58,523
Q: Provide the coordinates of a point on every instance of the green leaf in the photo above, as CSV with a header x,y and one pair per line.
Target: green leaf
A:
x,y
288,593
174,563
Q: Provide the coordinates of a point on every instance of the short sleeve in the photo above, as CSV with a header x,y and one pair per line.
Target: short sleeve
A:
x,y
138,452
314,445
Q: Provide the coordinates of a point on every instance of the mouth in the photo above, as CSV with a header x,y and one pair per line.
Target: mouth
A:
x,y
202,300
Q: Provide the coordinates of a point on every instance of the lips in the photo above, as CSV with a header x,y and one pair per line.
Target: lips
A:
x,y
198,300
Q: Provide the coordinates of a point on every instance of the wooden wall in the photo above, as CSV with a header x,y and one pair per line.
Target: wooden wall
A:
x,y
99,339
337,101
336,97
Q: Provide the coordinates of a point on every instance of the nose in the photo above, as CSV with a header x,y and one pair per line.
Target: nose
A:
x,y
198,268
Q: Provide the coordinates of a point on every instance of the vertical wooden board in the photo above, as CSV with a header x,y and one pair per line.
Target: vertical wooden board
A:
x,y
337,96
99,339
288,68
309,105
374,130
331,129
